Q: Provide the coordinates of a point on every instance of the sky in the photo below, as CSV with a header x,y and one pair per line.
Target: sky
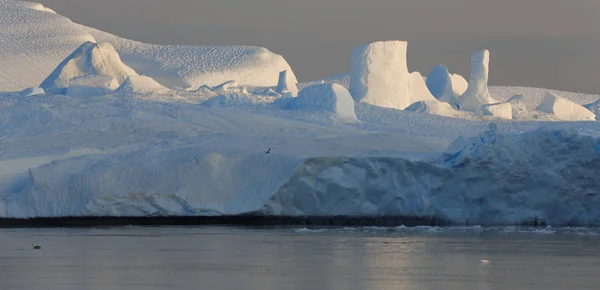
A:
x,y
542,43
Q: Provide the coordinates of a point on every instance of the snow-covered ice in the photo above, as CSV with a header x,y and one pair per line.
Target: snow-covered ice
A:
x,y
331,98
518,102
495,180
499,110
564,109
434,108
92,86
194,66
141,85
89,60
50,38
233,99
188,135
228,86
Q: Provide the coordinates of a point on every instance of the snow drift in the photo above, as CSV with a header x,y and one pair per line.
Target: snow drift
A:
x,y
564,109
330,98
433,108
379,76
90,59
477,93
493,179
141,85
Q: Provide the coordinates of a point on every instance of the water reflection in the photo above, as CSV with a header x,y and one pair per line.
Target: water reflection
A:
x,y
229,258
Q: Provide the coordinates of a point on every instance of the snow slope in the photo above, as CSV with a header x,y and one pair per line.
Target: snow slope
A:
x,y
142,85
35,41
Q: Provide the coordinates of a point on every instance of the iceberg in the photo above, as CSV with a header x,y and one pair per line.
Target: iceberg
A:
x,y
379,76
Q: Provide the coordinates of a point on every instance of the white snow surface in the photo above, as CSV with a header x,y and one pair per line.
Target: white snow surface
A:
x,y
101,81
235,99
34,42
340,79
564,109
141,85
499,110
477,93
227,86
434,108
50,38
379,76
194,66
331,98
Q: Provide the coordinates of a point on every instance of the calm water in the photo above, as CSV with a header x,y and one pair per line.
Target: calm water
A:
x,y
359,258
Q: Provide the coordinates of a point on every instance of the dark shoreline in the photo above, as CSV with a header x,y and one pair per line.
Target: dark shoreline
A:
x,y
238,220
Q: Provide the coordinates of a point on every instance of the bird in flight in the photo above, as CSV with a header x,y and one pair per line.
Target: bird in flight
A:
x,y
268,151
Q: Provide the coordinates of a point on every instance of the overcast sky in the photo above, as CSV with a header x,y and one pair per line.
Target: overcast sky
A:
x,y
544,43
